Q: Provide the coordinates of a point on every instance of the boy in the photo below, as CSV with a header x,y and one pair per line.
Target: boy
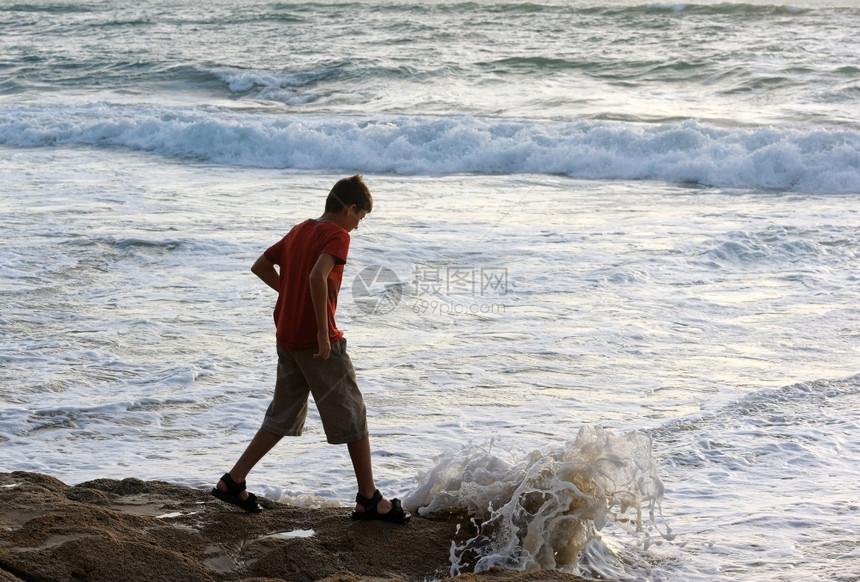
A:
x,y
312,354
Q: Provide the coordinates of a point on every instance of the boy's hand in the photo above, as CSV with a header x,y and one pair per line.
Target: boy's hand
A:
x,y
324,345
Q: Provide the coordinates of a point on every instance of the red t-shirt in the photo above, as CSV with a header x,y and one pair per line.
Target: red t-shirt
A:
x,y
296,254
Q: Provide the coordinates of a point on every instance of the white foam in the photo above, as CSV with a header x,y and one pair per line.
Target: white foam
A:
x,y
542,511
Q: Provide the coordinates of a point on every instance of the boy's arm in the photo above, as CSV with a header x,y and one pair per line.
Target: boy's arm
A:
x,y
319,295
265,270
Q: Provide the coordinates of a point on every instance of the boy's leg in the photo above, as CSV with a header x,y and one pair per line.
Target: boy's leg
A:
x,y
344,417
286,414
261,444
359,452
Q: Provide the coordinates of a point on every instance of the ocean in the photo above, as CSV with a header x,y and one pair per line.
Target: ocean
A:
x,y
606,302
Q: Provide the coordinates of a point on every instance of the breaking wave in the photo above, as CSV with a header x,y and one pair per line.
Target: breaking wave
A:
x,y
790,159
548,510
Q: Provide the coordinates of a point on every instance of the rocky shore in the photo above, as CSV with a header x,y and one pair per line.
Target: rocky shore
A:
x,y
131,530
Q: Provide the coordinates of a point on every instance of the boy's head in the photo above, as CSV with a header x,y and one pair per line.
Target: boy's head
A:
x,y
349,191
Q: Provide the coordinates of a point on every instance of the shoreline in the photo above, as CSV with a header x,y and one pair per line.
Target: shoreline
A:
x,y
130,530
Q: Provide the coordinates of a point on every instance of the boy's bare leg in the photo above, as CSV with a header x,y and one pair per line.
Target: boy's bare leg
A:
x,y
261,444
359,452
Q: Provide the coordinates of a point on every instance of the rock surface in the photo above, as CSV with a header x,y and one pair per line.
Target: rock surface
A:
x,y
131,530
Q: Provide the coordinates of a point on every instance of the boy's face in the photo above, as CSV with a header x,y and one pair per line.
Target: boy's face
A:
x,y
352,217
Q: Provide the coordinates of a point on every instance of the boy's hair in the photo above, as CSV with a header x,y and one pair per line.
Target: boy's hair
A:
x,y
348,191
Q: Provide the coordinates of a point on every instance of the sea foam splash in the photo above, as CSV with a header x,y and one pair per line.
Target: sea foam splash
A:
x,y
796,159
547,510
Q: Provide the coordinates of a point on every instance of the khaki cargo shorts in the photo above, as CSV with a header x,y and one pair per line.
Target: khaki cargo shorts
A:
x,y
335,390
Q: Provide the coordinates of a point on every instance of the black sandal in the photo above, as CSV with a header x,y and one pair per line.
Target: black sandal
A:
x,y
233,495
396,515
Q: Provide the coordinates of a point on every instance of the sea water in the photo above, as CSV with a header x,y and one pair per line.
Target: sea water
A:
x,y
605,302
